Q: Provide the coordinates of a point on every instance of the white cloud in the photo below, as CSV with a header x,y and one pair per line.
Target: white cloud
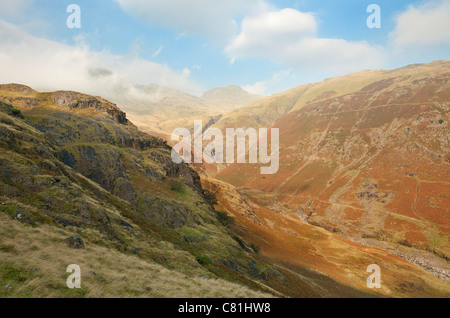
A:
x,y
48,65
270,28
186,72
289,37
213,19
262,87
425,25
12,7
259,88
157,52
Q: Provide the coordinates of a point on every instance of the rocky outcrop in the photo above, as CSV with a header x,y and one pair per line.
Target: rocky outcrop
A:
x,y
75,242
74,100
168,214
189,176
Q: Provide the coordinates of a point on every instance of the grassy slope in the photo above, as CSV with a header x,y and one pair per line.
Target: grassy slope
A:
x,y
34,262
42,193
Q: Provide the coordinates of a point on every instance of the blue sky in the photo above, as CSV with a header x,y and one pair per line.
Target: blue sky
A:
x,y
194,45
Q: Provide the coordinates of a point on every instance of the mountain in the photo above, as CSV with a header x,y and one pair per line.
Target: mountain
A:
x,y
228,98
264,112
365,156
363,180
81,185
158,110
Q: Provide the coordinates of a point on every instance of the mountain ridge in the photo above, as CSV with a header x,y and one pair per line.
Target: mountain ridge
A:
x,y
366,156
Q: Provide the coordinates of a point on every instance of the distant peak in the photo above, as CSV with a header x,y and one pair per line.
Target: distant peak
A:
x,y
234,87
227,90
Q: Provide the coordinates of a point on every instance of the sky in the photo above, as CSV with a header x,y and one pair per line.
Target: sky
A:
x,y
265,46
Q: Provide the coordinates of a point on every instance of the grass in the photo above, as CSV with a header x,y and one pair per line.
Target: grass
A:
x,y
38,269
13,276
353,173
193,232
7,248
177,186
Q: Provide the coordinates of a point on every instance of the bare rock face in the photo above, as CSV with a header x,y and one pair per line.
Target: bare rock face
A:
x,y
190,176
74,100
75,242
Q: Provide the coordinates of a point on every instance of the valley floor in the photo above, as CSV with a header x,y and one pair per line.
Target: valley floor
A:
x,y
308,250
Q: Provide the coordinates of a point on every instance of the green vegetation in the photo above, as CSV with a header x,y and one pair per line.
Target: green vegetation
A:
x,y
204,260
7,248
209,196
10,273
16,113
176,185
255,248
12,276
223,217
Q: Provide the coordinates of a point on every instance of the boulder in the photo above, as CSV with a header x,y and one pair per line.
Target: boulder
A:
x,y
75,242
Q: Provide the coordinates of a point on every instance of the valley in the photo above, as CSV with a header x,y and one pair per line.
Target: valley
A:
x,y
364,178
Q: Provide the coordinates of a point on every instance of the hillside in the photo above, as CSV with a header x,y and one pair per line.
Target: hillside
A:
x,y
365,156
318,256
77,168
363,180
264,112
81,185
